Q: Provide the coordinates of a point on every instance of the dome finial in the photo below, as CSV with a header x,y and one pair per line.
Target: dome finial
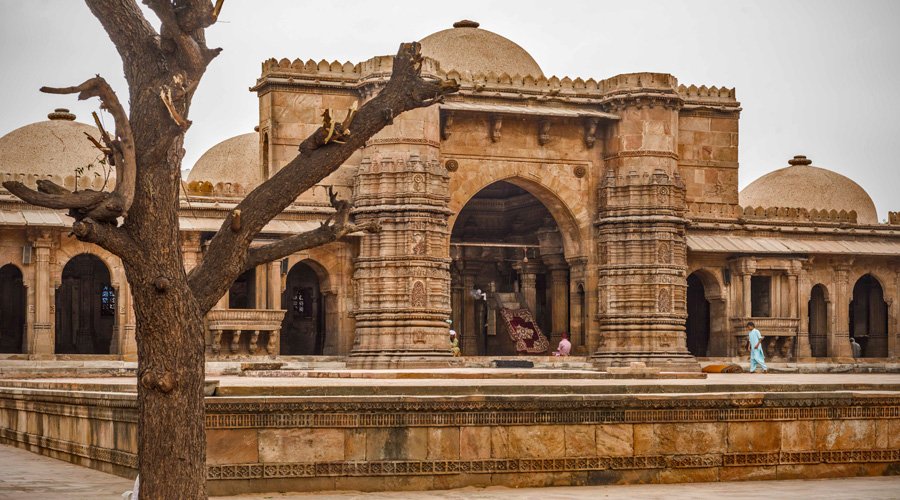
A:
x,y
799,160
465,23
61,114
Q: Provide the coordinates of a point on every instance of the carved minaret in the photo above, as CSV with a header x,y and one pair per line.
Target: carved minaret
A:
x,y
641,228
402,274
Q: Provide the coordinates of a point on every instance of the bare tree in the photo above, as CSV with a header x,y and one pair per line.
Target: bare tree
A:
x,y
163,71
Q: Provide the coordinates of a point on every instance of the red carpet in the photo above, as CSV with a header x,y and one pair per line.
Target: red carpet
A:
x,y
524,332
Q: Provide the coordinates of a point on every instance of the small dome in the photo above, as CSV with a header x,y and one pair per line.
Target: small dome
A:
x,y
469,49
802,185
53,150
233,162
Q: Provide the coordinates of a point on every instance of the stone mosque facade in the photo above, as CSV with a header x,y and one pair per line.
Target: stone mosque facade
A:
x,y
607,209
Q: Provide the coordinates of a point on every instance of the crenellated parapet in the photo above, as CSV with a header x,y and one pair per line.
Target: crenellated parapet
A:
x,y
800,214
92,179
894,218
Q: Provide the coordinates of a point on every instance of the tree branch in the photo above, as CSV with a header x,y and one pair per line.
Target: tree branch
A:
x,y
319,156
335,228
114,239
131,33
121,146
184,27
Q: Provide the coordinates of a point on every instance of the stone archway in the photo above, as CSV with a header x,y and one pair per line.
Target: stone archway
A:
x,y
303,330
697,325
869,318
85,307
12,309
818,321
509,252
707,321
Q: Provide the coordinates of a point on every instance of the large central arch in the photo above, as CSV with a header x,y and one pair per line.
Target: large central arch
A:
x,y
508,244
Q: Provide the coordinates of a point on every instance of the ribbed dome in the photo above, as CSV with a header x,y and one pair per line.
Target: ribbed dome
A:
x,y
802,185
468,49
233,161
52,150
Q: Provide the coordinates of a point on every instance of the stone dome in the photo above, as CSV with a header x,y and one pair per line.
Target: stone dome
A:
x,y
230,166
802,185
51,149
468,49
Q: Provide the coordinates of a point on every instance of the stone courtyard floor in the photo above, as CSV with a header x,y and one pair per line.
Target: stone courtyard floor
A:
x,y
28,476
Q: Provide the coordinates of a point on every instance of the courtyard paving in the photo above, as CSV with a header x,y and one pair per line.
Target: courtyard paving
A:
x,y
28,476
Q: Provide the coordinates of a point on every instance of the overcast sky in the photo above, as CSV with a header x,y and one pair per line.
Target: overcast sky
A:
x,y
819,78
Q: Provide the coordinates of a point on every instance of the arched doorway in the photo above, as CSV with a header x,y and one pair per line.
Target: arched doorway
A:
x,y
509,274
85,307
12,309
868,317
303,327
697,326
818,322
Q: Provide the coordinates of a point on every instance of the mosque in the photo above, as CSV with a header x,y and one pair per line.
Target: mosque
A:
x,y
523,207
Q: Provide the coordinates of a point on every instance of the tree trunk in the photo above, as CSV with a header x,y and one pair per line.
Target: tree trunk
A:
x,y
171,430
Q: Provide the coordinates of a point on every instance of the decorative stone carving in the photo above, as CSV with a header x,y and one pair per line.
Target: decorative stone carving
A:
x,y
664,253
495,125
543,132
664,301
418,297
579,171
451,165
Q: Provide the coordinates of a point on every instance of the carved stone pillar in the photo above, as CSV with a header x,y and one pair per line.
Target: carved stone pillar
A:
x,y
559,297
793,298
190,246
273,285
528,285
802,300
42,342
577,303
260,286
894,318
641,229
402,274
839,341
470,323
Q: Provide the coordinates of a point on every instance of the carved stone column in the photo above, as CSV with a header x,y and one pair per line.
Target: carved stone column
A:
x,y
190,246
746,268
43,340
402,274
641,228
528,286
802,298
559,297
470,324
839,341
273,286
577,309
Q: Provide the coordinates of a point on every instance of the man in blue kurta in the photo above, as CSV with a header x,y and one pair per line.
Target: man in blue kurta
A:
x,y
756,349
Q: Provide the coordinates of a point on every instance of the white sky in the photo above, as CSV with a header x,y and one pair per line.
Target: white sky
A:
x,y
819,78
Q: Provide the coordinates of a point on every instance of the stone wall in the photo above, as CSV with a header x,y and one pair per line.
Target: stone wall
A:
x,y
373,443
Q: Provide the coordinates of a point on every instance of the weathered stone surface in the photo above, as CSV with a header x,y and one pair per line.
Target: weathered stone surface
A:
x,y
527,441
474,442
845,434
799,435
355,444
581,441
233,446
623,477
689,475
749,473
397,443
443,443
301,445
615,440
705,437
754,436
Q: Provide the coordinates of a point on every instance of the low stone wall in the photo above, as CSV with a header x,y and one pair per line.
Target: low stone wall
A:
x,y
371,443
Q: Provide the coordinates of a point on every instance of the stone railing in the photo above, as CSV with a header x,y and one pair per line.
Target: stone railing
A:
x,y
245,326
779,335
